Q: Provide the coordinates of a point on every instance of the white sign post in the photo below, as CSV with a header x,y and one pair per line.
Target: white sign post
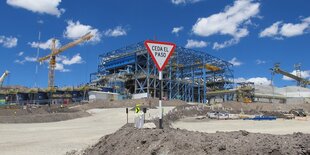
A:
x,y
160,53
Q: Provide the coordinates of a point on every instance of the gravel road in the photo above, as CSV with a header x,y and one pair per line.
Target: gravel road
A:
x,y
60,137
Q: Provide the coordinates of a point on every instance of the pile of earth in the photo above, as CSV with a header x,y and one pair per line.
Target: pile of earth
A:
x,y
39,114
129,140
148,103
278,110
256,106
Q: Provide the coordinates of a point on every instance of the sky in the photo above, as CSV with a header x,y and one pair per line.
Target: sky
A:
x,y
251,34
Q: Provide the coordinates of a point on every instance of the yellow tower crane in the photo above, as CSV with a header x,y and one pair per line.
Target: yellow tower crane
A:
x,y
54,52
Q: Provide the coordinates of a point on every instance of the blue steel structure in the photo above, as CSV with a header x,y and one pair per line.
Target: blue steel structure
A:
x,y
185,76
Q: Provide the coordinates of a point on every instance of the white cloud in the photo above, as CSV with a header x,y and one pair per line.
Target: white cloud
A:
x,y
30,59
116,32
60,67
258,61
176,30
20,54
196,44
40,21
26,59
75,30
290,30
8,42
279,29
304,74
44,45
235,61
227,43
19,61
39,6
271,31
76,59
255,80
61,61
178,2
233,21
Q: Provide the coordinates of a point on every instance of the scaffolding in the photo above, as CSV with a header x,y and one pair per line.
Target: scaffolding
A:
x,y
188,76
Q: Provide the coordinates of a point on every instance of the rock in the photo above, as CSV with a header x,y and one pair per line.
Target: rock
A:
x,y
222,147
244,133
149,126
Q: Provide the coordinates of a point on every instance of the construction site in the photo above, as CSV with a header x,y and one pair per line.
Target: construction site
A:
x,y
155,96
199,94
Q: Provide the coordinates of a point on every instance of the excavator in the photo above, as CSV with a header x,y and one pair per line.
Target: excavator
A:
x,y
300,81
4,75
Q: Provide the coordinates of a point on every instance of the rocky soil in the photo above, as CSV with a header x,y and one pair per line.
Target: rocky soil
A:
x,y
129,140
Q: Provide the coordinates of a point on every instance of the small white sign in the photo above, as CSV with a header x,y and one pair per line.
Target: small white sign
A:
x,y
160,52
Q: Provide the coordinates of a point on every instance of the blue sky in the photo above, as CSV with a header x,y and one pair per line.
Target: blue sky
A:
x,y
253,34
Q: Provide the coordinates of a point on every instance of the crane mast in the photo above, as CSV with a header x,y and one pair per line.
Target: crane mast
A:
x,y
55,52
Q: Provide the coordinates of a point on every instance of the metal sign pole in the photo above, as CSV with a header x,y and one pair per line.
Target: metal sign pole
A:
x,y
160,53
160,101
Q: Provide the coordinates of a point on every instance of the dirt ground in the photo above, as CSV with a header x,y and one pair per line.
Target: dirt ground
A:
x,y
267,107
277,127
129,140
56,138
39,114
78,133
149,103
44,113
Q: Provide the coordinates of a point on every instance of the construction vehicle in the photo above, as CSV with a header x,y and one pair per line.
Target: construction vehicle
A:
x,y
54,52
245,92
2,78
300,81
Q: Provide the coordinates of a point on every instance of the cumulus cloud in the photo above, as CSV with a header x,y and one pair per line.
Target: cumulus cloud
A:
x,y
235,62
44,45
227,43
233,21
61,61
304,74
39,6
26,59
8,42
255,80
279,29
258,61
76,59
40,21
75,30
30,59
176,30
60,67
271,31
196,44
178,2
116,32
20,54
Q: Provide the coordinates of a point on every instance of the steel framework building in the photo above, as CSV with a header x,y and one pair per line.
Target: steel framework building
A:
x,y
188,76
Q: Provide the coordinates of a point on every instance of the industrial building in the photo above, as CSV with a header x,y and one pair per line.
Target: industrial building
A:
x,y
188,76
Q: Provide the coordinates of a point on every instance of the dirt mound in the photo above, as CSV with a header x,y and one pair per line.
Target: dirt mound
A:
x,y
42,118
39,114
150,103
129,140
265,106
